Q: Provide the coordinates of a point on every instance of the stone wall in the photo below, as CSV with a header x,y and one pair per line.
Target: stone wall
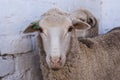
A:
x,y
17,58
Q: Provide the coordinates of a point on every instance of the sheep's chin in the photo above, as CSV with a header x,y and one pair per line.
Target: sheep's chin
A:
x,y
56,68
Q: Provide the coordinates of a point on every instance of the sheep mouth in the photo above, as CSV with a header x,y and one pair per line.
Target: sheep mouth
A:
x,y
55,69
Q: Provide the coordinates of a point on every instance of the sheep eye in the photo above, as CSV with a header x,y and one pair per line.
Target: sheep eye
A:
x,y
41,30
70,29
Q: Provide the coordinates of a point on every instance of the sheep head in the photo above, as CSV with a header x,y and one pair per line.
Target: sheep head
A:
x,y
87,17
56,33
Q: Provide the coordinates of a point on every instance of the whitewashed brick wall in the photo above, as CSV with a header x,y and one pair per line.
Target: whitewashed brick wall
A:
x,y
17,58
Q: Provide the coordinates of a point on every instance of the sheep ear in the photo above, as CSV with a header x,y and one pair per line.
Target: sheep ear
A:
x,y
80,25
34,26
91,21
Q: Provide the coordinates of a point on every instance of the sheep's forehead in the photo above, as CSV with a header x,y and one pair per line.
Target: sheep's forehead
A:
x,y
55,21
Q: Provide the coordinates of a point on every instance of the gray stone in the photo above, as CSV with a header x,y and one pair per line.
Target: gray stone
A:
x,y
25,68
15,44
7,66
24,62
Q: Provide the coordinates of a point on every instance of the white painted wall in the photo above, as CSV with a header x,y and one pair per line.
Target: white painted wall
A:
x,y
110,14
16,50
15,15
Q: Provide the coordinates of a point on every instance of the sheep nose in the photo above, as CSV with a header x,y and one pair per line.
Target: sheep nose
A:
x,y
55,60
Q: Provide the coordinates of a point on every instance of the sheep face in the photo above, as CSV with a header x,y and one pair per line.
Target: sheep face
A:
x,y
56,33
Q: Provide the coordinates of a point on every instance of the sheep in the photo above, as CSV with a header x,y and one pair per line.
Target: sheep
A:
x,y
116,28
63,57
87,17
